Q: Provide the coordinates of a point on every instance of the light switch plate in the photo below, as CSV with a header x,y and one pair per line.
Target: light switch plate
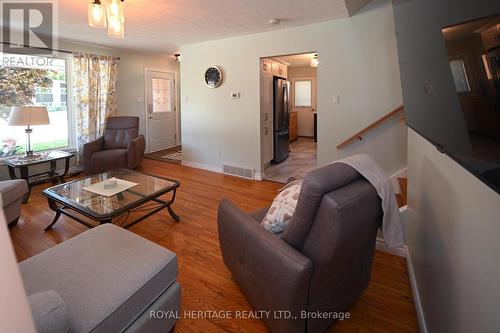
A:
x,y
336,99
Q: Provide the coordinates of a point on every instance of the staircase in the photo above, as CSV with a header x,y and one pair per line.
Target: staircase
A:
x,y
402,196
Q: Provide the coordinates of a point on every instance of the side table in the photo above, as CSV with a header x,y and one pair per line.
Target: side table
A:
x,y
51,158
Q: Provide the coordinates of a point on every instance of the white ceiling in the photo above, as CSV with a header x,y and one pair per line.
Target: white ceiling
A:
x,y
296,60
165,25
468,29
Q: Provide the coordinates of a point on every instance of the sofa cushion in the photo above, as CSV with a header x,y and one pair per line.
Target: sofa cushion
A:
x,y
107,276
49,312
109,159
11,190
282,208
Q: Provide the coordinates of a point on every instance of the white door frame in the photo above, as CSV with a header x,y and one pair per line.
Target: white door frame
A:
x,y
176,105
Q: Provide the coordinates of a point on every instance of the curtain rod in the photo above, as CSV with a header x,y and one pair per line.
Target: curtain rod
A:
x,y
42,48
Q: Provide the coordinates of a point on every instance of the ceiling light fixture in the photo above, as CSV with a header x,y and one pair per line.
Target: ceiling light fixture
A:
x,y
314,61
110,15
116,18
97,17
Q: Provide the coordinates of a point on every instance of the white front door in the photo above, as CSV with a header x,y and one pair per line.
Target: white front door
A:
x,y
304,102
161,110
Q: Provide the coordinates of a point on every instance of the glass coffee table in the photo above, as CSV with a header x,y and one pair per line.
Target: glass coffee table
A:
x,y
70,197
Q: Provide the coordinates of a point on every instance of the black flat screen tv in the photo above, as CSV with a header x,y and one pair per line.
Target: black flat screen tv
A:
x,y
474,62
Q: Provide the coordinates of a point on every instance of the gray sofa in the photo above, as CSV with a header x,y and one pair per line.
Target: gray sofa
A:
x,y
106,279
320,263
11,195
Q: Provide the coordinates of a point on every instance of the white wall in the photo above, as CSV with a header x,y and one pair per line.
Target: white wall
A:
x,y
452,236
454,218
14,309
358,60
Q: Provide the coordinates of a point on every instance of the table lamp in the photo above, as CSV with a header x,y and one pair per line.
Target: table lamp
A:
x,y
28,116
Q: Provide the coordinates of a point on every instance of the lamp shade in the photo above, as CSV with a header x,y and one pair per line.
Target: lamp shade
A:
x,y
28,116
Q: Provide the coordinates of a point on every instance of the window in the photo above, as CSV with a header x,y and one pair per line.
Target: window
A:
x,y
30,80
460,75
303,93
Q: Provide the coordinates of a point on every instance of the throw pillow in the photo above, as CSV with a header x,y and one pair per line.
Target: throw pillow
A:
x,y
282,209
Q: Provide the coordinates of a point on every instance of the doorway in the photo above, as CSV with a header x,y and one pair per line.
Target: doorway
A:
x,y
303,97
300,72
161,111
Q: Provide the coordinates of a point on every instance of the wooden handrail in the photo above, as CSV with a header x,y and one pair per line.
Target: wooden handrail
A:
x,y
359,135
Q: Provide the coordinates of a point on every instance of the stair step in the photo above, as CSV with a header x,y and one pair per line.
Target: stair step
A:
x,y
401,200
403,185
402,196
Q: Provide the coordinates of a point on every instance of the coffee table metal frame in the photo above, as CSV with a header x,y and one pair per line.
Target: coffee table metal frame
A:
x,y
61,205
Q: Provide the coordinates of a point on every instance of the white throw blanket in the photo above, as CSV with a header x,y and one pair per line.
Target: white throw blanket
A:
x,y
392,228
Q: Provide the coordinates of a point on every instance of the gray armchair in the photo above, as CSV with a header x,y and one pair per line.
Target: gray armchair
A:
x,y
11,195
120,147
323,259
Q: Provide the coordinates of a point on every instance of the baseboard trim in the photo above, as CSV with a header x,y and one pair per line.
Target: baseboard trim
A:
x,y
404,252
208,167
399,251
416,295
202,166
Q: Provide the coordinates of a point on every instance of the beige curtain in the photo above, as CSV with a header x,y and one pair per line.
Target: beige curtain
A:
x,y
94,89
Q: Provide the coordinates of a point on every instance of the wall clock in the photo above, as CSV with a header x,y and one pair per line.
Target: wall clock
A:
x,y
213,77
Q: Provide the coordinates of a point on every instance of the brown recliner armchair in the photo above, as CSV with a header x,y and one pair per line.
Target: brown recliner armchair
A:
x,y
120,147
320,263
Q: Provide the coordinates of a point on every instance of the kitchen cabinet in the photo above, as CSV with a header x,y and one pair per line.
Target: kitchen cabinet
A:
x,y
269,66
266,109
267,143
292,120
275,68
266,66
283,71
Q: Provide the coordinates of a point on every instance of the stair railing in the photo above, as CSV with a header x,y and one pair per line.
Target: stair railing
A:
x,y
378,122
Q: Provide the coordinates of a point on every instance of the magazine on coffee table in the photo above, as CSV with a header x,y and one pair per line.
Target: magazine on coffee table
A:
x,y
109,187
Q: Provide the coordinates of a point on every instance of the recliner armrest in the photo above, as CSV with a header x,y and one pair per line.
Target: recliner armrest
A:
x,y
88,150
274,275
135,151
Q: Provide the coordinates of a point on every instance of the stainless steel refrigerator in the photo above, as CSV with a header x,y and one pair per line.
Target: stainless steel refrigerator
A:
x,y
281,125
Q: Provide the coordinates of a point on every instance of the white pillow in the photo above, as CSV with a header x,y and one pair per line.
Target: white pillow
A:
x,y
282,209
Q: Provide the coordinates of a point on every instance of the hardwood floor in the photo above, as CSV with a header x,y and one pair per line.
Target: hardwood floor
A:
x,y
386,306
